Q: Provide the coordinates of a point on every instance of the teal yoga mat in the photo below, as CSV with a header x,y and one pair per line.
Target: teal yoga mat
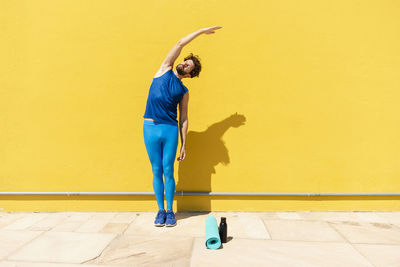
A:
x,y
212,234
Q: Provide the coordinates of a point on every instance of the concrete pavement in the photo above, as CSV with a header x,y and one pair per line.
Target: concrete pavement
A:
x,y
61,239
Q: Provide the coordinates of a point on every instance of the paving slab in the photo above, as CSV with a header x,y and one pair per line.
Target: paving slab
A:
x,y
92,226
115,228
124,217
329,216
46,264
257,252
67,226
371,233
392,217
48,222
106,216
11,240
80,216
25,221
372,217
8,218
288,215
380,255
63,247
133,250
302,230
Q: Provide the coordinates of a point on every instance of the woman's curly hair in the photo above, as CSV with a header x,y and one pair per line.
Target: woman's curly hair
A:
x,y
197,65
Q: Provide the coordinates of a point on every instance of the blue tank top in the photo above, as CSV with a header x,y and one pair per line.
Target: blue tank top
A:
x,y
164,95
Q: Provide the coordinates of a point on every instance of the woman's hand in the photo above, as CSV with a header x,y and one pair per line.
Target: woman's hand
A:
x,y
211,29
183,154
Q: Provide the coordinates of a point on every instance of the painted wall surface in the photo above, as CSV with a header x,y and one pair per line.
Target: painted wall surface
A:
x,y
294,96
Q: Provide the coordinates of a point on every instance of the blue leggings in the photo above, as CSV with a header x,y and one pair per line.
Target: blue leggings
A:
x,y
161,141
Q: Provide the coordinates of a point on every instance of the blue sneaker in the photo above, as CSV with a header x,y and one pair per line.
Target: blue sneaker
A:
x,y
170,219
160,218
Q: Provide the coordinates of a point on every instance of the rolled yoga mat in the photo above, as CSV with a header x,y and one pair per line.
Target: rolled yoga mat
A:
x,y
212,234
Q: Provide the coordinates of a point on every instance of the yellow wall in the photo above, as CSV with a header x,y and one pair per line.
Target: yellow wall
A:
x,y
294,96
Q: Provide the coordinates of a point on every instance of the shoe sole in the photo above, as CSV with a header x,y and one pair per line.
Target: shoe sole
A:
x,y
170,225
159,225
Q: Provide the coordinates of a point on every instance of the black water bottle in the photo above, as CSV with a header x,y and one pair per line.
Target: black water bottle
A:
x,y
223,230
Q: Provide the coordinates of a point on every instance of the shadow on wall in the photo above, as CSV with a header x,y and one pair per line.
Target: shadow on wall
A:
x,y
204,151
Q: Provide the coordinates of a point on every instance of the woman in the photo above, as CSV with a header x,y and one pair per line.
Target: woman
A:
x,y
160,127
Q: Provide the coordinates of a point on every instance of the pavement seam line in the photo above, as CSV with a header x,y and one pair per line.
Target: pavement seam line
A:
x,y
266,228
101,253
23,245
362,255
129,224
11,222
191,251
